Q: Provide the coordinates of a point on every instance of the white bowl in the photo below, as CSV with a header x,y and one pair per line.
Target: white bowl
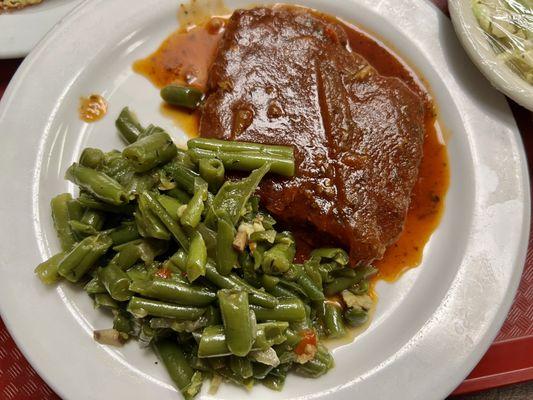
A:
x,y
478,48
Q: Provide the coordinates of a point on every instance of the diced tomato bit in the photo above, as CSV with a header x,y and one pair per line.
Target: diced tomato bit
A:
x,y
308,337
164,273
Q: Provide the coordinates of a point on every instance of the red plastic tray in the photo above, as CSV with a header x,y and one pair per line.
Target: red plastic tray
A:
x,y
509,359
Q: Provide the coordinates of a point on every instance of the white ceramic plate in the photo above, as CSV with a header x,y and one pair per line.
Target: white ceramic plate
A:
x,y
478,48
21,30
430,328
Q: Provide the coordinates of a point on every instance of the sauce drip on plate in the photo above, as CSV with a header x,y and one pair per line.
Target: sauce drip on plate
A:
x,y
92,108
183,58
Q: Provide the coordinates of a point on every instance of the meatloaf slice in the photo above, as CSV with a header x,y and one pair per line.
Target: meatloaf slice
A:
x,y
287,76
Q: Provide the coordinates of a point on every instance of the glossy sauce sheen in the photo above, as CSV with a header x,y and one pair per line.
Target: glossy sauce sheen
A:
x,y
183,58
188,51
427,200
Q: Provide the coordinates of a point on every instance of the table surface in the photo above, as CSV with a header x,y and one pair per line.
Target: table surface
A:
x,y
508,360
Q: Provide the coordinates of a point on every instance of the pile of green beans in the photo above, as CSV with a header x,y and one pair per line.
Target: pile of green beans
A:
x,y
189,263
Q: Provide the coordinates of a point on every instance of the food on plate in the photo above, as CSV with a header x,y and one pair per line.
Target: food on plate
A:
x,y
189,262
184,59
194,250
92,108
508,25
16,4
285,76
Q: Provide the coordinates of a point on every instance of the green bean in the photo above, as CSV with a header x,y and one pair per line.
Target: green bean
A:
x,y
212,171
271,284
268,236
120,169
312,291
312,270
166,219
182,175
213,316
122,323
83,256
183,96
94,286
293,338
360,272
249,273
278,259
179,195
148,223
150,151
276,378
210,239
247,161
75,210
61,217
341,283
312,368
241,366
233,196
318,366
333,320
335,254
237,321
183,158
179,259
260,371
327,270
237,146
360,288
138,272
88,201
193,213
171,205
176,292
47,270
293,287
116,282
140,308
269,334
105,300
197,257
355,317
213,340
256,296
150,130
128,125
287,310
145,249
93,218
178,368
229,376
123,233
111,156
138,183
92,158
82,230
226,256
98,184
230,281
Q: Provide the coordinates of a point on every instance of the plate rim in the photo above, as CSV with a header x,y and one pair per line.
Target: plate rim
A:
x,y
495,323
20,50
